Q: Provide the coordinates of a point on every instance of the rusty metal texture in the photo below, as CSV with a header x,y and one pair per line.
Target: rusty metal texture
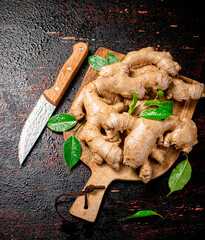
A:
x,y
36,39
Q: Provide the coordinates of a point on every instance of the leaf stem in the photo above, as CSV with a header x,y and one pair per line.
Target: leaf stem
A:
x,y
169,193
144,108
74,131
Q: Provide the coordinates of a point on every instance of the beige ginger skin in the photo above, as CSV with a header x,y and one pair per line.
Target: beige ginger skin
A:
x,y
150,138
103,104
97,111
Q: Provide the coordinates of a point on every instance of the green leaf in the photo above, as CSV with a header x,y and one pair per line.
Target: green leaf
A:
x,y
111,58
133,104
155,113
71,151
180,176
166,105
143,213
160,94
96,62
61,122
151,102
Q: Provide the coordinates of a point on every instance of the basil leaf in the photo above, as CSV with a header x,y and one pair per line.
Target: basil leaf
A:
x,y
61,122
71,151
151,102
155,113
160,94
96,62
133,104
166,105
143,213
111,58
180,176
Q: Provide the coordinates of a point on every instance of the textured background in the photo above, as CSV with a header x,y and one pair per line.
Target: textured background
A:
x,y
36,39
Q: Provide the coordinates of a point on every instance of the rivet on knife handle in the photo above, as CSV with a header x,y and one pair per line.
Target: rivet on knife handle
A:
x,y
68,71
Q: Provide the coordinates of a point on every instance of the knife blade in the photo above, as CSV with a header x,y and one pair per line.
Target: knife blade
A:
x,y
49,100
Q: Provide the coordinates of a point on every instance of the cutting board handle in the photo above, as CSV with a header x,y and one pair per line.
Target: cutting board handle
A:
x,y
94,198
67,73
101,175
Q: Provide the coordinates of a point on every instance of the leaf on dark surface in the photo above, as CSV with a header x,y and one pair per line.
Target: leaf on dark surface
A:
x,y
143,213
61,122
96,62
71,151
180,176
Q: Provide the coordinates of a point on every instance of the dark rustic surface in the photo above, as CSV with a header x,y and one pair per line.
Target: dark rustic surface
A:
x,y
36,39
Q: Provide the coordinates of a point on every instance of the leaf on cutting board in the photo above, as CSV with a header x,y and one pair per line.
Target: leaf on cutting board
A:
x,y
71,151
166,105
143,213
111,58
156,113
133,104
151,102
96,62
180,176
160,94
61,122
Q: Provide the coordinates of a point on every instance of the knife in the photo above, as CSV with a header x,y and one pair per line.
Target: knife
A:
x,y
49,100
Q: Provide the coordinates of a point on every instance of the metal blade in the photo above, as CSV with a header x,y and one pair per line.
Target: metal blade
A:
x,y
34,126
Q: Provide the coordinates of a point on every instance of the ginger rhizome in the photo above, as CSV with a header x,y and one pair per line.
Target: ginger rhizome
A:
x,y
150,139
104,103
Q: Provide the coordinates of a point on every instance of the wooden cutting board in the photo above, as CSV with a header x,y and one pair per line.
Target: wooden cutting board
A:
x,y
103,174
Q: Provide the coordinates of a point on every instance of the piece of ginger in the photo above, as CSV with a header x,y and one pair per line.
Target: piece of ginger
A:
x,y
180,90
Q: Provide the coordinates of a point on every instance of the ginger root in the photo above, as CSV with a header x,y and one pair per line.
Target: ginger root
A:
x,y
97,111
144,71
183,136
180,90
121,83
142,141
163,60
104,103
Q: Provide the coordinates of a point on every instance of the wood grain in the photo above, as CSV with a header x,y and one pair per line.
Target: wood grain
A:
x,y
104,174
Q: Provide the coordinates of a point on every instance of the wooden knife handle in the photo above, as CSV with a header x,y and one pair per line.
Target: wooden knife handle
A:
x,y
67,73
